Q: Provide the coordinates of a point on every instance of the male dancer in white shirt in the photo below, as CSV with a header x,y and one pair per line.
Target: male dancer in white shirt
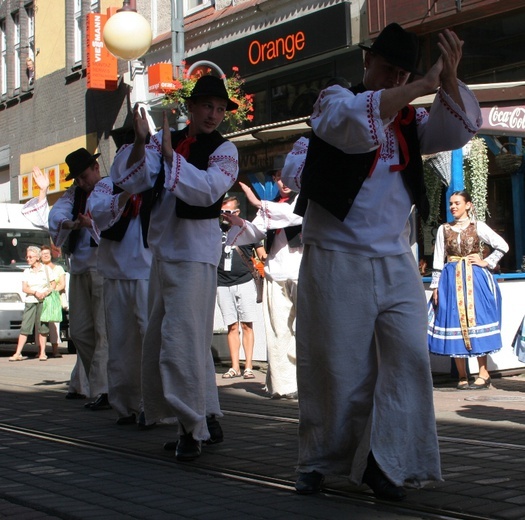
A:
x,y
124,260
71,227
190,170
364,381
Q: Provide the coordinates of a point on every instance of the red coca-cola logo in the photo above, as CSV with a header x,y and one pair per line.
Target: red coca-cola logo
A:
x,y
512,118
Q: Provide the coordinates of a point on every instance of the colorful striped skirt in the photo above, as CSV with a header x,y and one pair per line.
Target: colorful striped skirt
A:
x,y
467,320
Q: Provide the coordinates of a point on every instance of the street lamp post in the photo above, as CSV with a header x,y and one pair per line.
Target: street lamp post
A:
x,y
127,35
177,37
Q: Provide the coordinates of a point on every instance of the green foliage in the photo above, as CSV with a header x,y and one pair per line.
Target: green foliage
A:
x,y
434,188
234,87
475,176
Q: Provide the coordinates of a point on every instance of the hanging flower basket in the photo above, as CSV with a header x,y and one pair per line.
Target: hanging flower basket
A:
x,y
475,176
234,86
441,165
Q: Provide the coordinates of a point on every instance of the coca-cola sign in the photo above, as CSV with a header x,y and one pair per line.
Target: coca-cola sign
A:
x,y
504,120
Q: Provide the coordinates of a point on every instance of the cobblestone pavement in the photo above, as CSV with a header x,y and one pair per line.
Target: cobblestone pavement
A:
x,y
482,441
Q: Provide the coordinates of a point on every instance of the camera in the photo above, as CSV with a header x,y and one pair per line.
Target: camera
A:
x,y
224,224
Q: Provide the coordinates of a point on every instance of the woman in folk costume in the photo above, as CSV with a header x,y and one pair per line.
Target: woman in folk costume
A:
x,y
465,308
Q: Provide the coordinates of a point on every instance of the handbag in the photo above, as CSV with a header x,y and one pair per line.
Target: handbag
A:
x,y
64,301
257,278
52,308
52,305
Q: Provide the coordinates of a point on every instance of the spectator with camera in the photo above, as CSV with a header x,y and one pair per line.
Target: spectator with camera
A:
x,y
237,295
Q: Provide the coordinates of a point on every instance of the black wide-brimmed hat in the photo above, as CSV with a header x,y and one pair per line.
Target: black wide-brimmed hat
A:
x,y
78,161
212,86
398,47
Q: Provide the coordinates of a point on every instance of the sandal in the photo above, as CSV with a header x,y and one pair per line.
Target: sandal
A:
x,y
231,374
485,385
43,358
17,358
463,384
248,374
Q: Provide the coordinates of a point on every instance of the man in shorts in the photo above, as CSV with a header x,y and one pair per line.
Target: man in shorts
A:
x,y
236,296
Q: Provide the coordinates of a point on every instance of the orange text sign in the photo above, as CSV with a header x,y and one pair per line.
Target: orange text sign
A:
x,y
160,78
101,70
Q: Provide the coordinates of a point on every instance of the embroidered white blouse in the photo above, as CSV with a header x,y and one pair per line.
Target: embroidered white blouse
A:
x,y
377,224
38,212
172,238
283,261
127,259
487,235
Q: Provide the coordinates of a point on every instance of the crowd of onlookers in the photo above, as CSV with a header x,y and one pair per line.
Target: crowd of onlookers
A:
x,y
39,280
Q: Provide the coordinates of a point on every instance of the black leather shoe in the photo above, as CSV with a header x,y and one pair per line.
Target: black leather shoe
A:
x,y
216,433
309,483
101,403
375,479
463,384
187,448
483,386
130,419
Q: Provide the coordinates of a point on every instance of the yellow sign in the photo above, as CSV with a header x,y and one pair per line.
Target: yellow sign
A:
x,y
52,174
63,173
24,185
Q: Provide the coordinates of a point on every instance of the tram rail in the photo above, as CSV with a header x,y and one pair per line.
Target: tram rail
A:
x,y
259,479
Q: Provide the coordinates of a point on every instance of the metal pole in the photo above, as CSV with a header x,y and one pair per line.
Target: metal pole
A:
x,y
177,49
177,37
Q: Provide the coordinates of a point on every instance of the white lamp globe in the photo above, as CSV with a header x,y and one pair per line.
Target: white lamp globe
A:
x,y
127,35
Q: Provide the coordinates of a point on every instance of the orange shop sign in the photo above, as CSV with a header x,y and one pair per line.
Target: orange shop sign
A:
x,y
160,78
101,70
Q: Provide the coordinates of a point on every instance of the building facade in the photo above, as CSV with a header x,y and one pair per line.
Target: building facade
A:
x,y
61,90
51,102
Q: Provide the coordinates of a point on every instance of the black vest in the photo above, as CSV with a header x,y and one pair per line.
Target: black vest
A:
x,y
333,178
293,233
199,156
117,231
79,206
